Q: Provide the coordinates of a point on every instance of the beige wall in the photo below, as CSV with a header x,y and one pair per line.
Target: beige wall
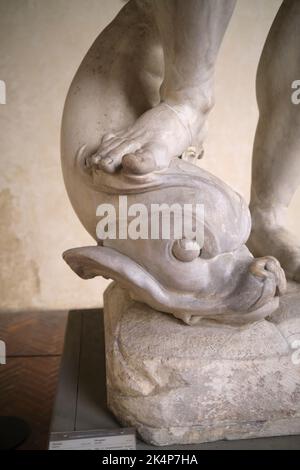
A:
x,y
41,45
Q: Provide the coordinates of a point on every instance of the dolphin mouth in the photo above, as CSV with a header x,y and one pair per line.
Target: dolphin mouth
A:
x,y
274,285
263,310
269,284
234,319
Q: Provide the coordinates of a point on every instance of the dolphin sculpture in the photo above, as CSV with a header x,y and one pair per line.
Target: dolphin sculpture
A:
x,y
218,279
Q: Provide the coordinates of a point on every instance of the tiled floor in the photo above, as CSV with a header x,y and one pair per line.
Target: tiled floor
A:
x,y
34,343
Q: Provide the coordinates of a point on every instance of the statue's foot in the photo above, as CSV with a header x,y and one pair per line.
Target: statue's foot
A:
x,y
269,237
159,135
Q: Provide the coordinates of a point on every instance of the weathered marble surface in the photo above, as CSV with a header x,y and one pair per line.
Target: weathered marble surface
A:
x,y
218,278
137,102
177,384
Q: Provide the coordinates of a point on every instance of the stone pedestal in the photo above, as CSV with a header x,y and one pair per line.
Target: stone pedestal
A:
x,y
178,384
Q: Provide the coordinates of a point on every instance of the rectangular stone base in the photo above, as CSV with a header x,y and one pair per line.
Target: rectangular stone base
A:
x,y
180,384
81,394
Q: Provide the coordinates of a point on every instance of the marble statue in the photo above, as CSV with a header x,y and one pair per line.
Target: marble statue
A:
x,y
138,102
275,166
219,279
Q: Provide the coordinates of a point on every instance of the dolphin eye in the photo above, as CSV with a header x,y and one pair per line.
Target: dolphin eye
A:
x,y
186,250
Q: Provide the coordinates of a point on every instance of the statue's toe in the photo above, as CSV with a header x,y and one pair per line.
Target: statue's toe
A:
x,y
139,163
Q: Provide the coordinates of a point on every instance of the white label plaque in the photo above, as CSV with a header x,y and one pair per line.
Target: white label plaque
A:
x,y
93,440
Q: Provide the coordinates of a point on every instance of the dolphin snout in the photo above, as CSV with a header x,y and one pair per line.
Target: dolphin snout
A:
x,y
269,271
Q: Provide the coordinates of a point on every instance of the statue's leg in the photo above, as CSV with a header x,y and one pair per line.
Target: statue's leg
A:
x,y
276,163
191,32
